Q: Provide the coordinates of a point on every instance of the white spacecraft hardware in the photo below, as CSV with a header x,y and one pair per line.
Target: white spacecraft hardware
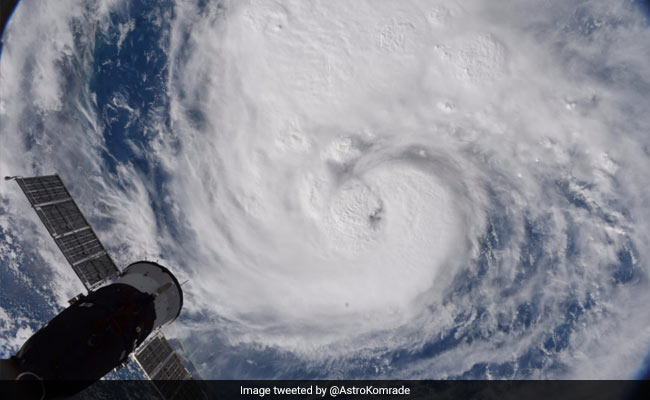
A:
x,y
119,317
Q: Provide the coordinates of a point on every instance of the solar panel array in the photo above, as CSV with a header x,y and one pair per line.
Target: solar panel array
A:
x,y
69,229
90,261
167,371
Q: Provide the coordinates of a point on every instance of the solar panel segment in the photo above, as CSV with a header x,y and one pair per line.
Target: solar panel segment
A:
x,y
69,228
164,367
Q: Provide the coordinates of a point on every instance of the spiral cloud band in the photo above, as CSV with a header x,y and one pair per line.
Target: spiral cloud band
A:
x,y
408,189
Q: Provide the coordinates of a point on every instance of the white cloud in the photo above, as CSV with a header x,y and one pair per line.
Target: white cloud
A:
x,y
286,231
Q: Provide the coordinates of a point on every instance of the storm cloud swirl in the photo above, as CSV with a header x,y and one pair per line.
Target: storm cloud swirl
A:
x,y
409,189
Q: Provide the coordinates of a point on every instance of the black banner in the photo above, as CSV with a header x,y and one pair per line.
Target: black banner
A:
x,y
329,390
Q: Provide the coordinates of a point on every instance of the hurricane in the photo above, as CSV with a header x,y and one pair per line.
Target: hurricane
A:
x,y
368,189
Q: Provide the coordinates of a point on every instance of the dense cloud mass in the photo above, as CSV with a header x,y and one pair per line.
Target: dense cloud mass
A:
x,y
403,189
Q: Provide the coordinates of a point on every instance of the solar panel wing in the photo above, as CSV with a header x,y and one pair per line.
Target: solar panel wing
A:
x,y
165,368
153,354
69,228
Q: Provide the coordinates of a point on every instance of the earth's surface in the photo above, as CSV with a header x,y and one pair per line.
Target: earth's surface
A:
x,y
366,189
